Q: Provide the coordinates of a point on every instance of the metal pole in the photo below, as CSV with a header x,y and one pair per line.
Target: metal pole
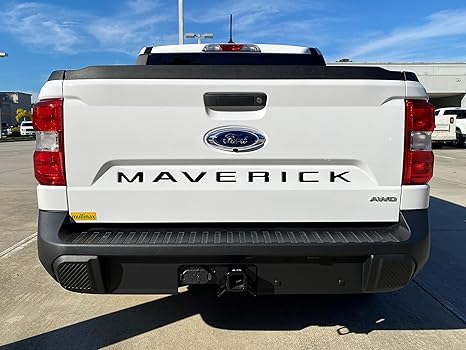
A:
x,y
231,30
199,37
180,22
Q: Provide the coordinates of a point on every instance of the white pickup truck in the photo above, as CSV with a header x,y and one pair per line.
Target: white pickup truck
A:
x,y
255,168
450,125
445,126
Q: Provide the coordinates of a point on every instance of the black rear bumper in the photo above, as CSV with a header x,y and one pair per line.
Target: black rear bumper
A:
x,y
276,258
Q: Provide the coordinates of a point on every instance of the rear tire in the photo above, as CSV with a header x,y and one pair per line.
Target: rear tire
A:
x,y
459,139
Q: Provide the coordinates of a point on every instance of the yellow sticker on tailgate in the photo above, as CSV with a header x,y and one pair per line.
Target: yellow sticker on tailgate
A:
x,y
84,216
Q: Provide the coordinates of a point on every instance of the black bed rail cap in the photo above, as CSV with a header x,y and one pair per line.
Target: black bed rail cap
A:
x,y
57,75
279,72
410,76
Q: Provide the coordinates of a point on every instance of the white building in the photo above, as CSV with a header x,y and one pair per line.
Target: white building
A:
x,y
445,82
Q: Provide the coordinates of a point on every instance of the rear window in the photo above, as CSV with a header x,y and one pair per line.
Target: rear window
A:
x,y
235,58
452,112
461,115
27,123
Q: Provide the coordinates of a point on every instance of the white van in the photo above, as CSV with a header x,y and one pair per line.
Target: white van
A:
x,y
445,125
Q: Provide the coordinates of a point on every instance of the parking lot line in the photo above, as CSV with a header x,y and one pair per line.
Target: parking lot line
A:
x,y
18,245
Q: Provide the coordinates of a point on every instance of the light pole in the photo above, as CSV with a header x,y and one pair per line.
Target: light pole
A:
x,y
2,55
199,36
180,22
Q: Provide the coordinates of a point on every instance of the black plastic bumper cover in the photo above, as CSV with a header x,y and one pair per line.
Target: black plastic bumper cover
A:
x,y
279,258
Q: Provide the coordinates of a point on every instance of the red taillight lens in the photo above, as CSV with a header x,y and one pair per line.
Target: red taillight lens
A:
x,y
49,168
419,116
418,158
231,47
419,167
48,115
49,157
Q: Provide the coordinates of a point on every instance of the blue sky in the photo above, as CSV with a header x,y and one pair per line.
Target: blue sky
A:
x,y
43,36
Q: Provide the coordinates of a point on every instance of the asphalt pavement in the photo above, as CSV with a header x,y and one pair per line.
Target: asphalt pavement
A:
x,y
36,313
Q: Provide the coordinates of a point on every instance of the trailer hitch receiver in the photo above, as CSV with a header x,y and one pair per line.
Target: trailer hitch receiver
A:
x,y
236,281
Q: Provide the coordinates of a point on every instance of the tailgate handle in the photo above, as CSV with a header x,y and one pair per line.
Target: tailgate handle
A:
x,y
233,101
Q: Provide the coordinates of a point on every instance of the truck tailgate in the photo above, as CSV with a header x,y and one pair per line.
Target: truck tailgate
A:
x,y
135,151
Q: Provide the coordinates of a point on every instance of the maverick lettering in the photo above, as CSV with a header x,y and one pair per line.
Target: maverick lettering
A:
x,y
233,176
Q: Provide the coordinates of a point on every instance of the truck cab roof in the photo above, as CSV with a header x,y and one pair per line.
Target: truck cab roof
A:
x,y
230,54
193,48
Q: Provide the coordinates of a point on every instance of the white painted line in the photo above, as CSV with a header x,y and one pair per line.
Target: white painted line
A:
x,y
437,156
18,245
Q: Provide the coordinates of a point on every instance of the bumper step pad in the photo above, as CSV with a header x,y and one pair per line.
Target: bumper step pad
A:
x,y
237,237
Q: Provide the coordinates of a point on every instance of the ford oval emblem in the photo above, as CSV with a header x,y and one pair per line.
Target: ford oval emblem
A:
x,y
235,139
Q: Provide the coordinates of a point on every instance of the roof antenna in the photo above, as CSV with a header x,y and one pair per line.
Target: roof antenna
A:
x,y
231,30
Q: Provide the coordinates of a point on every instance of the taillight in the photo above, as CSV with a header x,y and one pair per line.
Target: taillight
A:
x,y
231,48
49,156
418,158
